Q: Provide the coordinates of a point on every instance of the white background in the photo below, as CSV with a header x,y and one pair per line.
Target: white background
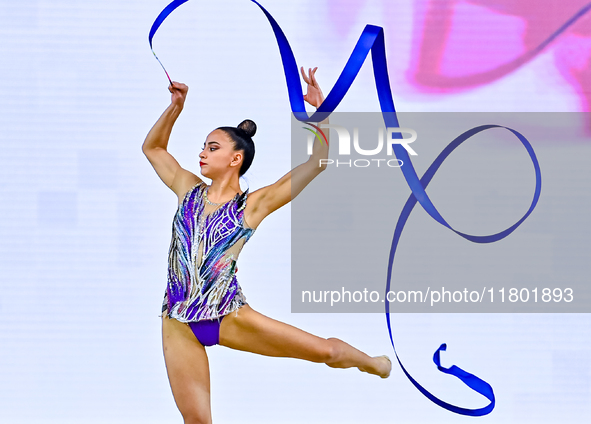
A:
x,y
85,223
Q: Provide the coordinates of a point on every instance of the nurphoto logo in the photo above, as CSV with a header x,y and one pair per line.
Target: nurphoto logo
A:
x,y
344,145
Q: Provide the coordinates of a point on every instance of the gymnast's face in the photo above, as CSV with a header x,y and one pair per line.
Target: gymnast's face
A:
x,y
218,155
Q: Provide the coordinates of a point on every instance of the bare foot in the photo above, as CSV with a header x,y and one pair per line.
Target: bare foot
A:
x,y
381,366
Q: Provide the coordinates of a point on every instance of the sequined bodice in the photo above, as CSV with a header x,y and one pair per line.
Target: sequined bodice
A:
x,y
206,242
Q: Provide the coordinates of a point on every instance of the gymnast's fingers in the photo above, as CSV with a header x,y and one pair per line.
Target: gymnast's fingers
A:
x,y
304,75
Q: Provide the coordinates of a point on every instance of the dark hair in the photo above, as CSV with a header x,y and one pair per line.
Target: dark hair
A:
x,y
242,138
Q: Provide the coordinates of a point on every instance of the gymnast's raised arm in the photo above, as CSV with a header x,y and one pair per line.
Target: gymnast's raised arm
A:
x,y
154,147
270,198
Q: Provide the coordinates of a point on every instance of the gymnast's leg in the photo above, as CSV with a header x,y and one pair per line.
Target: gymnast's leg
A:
x,y
251,331
188,371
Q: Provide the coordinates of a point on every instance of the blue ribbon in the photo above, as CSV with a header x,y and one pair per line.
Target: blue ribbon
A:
x,y
372,40
161,17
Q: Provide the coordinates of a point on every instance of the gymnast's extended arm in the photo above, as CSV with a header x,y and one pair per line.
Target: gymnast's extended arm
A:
x,y
274,196
154,147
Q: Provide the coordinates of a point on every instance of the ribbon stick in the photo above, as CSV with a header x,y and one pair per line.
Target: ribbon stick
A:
x,y
372,40
161,17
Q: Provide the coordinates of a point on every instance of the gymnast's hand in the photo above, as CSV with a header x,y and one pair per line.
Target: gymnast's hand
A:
x,y
179,93
314,95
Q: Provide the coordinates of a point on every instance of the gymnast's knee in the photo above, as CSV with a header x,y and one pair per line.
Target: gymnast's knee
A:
x,y
196,418
330,350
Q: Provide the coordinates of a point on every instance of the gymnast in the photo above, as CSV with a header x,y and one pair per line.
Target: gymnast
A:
x,y
203,303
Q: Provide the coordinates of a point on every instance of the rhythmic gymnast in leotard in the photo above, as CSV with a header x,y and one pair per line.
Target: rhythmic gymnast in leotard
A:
x,y
204,304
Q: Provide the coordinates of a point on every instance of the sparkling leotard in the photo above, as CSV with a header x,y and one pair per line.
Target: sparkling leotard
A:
x,y
206,242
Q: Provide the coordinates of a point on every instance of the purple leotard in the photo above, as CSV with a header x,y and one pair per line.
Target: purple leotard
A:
x,y
206,242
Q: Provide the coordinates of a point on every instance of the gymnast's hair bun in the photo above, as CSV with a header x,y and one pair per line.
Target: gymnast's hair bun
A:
x,y
248,126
